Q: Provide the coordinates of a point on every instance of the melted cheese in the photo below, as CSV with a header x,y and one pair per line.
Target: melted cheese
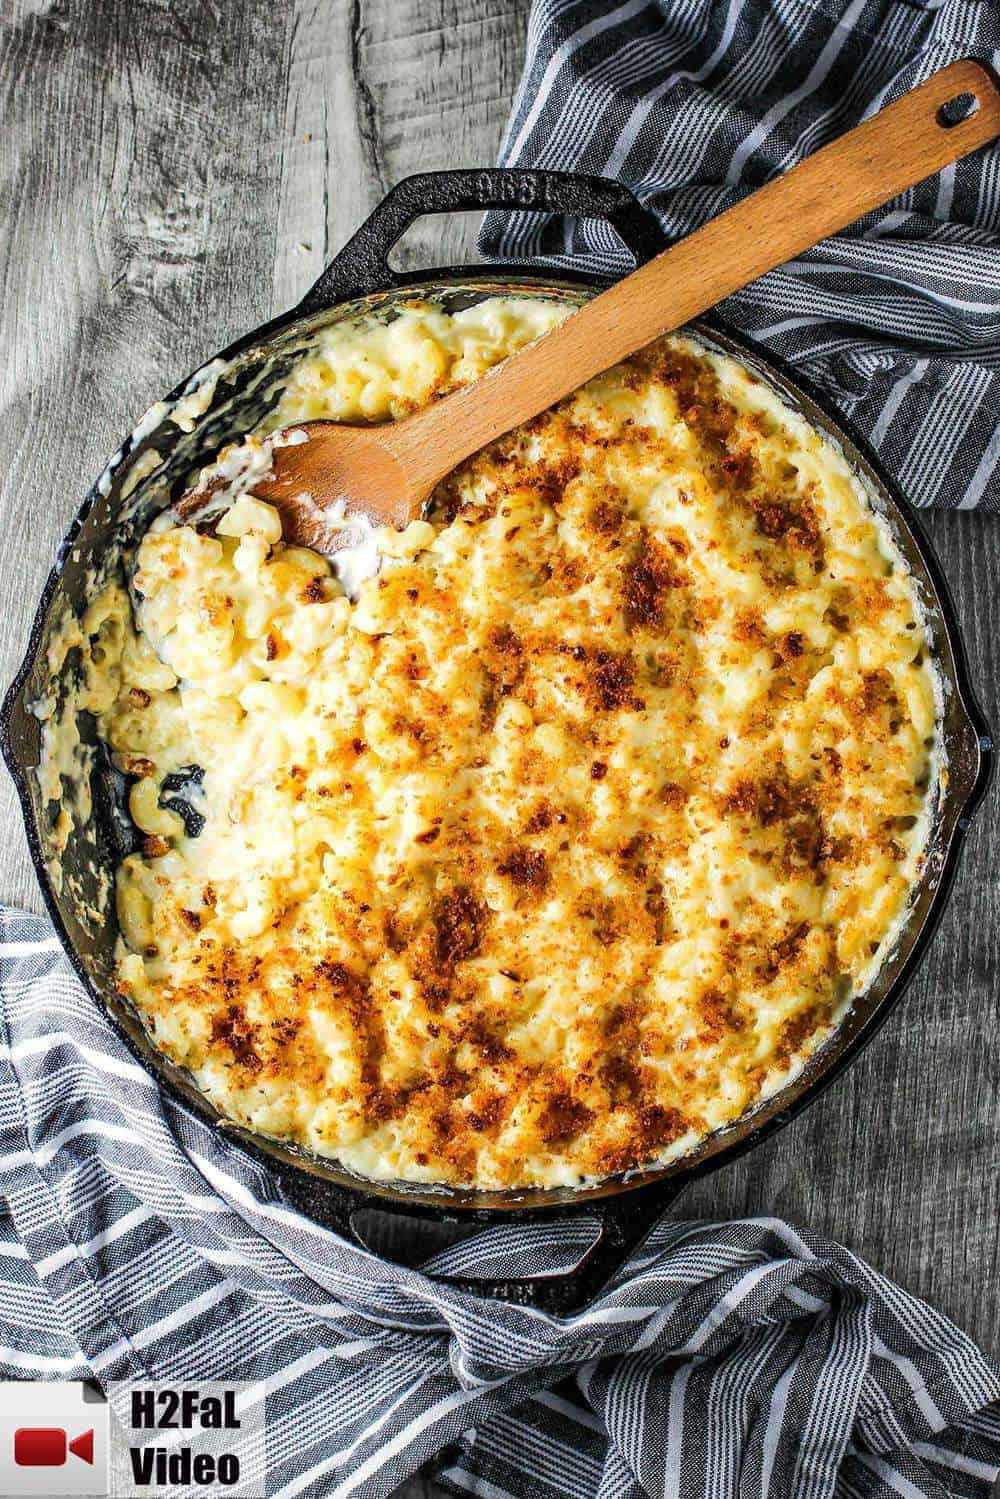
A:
x,y
572,836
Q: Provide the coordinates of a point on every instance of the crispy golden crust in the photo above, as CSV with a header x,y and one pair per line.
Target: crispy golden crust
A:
x,y
569,839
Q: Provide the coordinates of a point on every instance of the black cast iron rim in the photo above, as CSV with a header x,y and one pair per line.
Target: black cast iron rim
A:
x,y
626,1206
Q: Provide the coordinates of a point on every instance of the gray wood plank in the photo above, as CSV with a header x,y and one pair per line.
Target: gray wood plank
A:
x,y
138,173
172,173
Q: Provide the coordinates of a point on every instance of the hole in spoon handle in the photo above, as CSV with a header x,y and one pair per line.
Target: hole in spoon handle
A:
x,y
957,110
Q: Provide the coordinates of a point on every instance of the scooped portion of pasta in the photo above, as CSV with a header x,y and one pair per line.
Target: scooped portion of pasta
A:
x,y
569,837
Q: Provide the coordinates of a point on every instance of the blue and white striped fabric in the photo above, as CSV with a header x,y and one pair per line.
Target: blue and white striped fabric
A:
x,y
694,103
731,1360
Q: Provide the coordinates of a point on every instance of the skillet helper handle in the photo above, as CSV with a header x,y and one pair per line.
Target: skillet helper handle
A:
x,y
626,1220
362,266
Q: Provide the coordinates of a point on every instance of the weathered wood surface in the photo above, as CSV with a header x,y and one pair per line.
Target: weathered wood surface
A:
x,y
173,172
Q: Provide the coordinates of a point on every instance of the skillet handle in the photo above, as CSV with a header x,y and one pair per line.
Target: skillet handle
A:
x,y
626,1222
362,266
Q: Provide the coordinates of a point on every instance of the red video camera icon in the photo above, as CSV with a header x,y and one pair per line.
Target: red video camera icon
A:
x,y
47,1446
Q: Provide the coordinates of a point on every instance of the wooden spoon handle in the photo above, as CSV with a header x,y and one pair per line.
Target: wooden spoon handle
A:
x,y
896,148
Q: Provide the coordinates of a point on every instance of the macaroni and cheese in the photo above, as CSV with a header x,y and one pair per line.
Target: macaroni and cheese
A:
x,y
570,837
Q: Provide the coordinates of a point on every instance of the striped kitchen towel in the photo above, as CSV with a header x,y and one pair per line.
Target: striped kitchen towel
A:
x,y
694,103
731,1360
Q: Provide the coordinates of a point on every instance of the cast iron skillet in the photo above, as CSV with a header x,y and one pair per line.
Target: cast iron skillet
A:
x,y
360,280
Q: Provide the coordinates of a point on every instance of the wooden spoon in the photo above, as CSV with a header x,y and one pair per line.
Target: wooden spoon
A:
x,y
388,472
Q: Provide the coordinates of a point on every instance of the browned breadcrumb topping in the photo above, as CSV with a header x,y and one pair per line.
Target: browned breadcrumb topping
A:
x,y
527,867
139,766
612,626
610,679
646,581
563,1118
459,923
236,1032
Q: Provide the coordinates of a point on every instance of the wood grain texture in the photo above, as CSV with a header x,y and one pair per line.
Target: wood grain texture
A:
x,y
171,173
139,165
